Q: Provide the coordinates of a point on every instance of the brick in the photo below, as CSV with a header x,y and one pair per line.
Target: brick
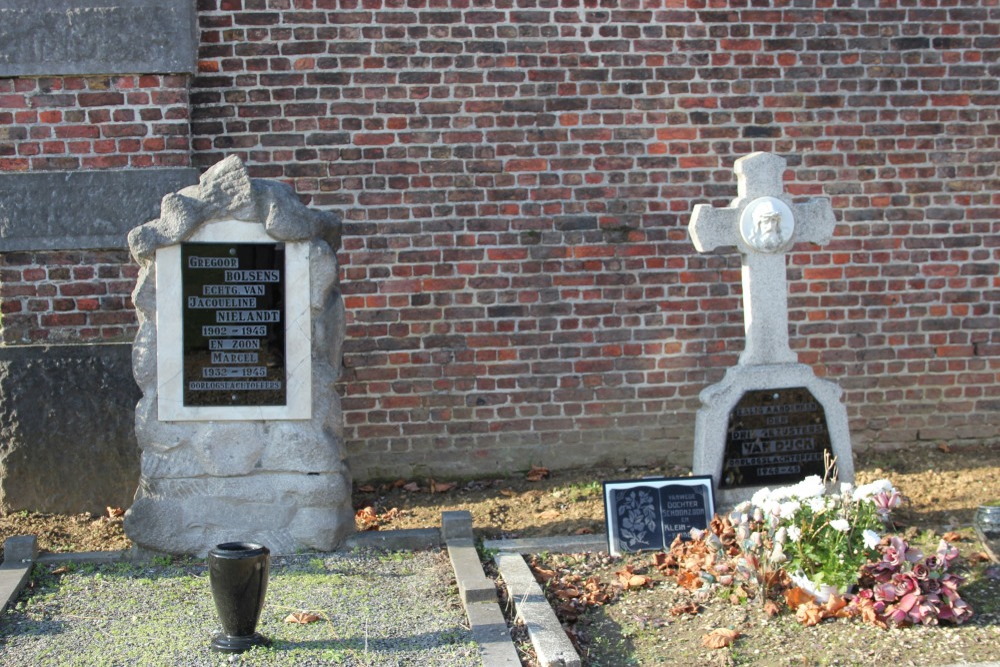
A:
x,y
515,183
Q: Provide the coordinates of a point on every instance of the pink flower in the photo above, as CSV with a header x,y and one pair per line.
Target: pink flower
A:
x,y
946,553
886,501
896,615
931,586
885,592
905,584
892,555
961,610
920,571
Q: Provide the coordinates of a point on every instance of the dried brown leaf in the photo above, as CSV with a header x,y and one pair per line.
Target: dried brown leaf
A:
x,y
797,596
584,531
869,615
412,487
771,608
509,493
719,638
543,575
809,613
686,608
115,512
944,447
834,605
366,518
567,592
952,536
689,580
549,515
366,488
537,474
301,617
60,570
442,487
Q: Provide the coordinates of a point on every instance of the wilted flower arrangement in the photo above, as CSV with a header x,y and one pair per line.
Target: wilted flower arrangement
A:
x,y
821,539
904,587
827,542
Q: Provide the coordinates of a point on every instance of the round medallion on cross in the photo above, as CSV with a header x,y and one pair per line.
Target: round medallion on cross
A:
x,y
767,225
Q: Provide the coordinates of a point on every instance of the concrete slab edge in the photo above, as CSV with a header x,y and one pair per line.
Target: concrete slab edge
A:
x,y
565,544
20,553
412,539
477,592
553,647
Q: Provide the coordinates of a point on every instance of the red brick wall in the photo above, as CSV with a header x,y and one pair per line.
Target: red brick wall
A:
x,y
516,180
52,297
70,123
93,122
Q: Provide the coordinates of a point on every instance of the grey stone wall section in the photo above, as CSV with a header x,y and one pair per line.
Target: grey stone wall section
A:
x,y
82,209
67,442
283,483
58,37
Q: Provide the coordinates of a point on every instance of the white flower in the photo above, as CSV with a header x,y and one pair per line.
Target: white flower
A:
x,y
840,524
810,487
794,533
781,535
760,497
846,488
743,507
817,505
787,510
871,538
866,491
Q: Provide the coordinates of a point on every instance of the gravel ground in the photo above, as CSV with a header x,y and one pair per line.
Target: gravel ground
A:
x,y
375,608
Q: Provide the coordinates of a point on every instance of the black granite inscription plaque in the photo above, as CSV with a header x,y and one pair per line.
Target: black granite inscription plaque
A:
x,y
649,513
234,324
683,508
775,437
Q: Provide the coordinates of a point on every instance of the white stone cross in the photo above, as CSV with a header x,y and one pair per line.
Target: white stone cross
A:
x,y
763,223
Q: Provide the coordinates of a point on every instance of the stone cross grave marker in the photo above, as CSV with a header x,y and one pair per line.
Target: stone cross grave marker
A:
x,y
241,324
770,420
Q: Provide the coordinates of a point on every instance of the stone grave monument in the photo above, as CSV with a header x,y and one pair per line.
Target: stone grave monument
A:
x,y
241,324
770,421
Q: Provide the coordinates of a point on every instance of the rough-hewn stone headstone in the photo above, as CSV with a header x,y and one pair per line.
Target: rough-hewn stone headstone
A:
x,y
223,457
770,421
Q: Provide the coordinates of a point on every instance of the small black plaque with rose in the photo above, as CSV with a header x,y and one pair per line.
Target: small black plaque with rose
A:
x,y
775,437
649,513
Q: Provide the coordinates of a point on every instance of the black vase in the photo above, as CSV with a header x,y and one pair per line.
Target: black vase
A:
x,y
237,572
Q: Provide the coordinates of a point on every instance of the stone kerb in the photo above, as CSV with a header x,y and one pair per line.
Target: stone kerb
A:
x,y
282,482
